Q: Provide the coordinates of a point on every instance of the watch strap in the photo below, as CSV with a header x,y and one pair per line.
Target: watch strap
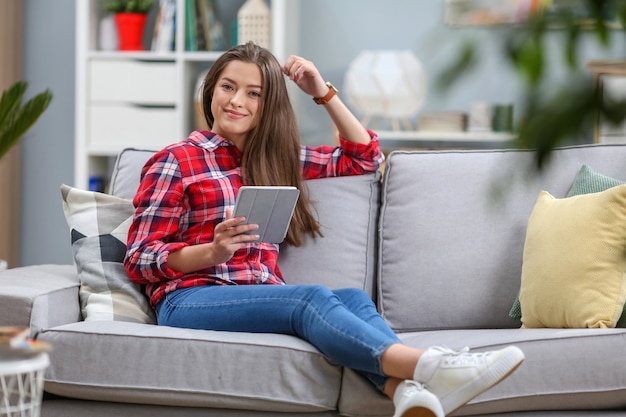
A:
x,y
332,92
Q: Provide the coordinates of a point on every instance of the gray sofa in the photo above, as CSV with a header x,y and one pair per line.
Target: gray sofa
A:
x,y
438,243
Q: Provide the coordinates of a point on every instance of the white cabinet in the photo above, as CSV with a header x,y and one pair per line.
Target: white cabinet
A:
x,y
145,99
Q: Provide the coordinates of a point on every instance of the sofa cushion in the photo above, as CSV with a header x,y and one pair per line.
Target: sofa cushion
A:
x,y
98,228
587,181
139,363
554,376
347,208
452,230
39,296
573,272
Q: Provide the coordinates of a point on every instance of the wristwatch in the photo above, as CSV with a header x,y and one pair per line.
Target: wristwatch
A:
x,y
332,92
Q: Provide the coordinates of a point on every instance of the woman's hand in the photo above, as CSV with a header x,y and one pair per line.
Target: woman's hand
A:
x,y
306,76
310,81
229,236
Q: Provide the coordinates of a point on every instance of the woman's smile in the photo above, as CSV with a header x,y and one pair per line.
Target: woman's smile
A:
x,y
236,100
234,114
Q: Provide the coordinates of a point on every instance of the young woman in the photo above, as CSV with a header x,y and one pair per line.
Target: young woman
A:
x,y
203,270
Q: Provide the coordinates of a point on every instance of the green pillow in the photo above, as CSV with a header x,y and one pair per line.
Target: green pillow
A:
x,y
587,181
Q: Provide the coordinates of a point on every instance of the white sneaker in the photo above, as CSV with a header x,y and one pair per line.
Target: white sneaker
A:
x,y
458,377
413,400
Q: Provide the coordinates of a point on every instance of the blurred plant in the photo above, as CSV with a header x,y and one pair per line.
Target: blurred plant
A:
x,y
16,118
128,6
551,115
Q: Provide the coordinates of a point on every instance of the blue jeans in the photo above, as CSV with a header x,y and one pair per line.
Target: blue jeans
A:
x,y
342,324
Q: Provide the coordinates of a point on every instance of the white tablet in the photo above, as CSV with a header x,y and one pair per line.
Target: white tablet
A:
x,y
271,207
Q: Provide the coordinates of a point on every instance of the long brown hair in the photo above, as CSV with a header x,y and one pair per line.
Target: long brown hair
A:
x,y
271,154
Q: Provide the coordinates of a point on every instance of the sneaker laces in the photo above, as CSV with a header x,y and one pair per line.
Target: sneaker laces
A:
x,y
410,387
413,386
461,357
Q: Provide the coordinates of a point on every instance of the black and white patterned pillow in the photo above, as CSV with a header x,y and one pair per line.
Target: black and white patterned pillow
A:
x,y
99,225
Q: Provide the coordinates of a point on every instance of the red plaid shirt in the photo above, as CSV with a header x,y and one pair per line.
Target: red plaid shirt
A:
x,y
183,195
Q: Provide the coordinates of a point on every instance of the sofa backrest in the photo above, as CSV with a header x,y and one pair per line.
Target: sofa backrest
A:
x,y
347,208
127,171
453,226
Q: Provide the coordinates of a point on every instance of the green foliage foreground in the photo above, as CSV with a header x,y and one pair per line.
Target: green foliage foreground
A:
x,y
551,115
16,118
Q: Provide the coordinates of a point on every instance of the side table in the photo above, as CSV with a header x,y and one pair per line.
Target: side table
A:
x,y
21,384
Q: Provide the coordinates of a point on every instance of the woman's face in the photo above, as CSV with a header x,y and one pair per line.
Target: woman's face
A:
x,y
236,98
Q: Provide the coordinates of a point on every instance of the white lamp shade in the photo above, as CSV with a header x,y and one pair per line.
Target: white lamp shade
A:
x,y
386,83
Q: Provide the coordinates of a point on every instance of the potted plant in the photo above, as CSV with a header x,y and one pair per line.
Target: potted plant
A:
x,y
130,19
17,117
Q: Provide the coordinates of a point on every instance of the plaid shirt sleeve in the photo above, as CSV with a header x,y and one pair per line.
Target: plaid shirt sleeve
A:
x,y
158,203
349,158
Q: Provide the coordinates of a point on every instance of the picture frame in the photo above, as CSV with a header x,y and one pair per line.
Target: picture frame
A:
x,y
462,13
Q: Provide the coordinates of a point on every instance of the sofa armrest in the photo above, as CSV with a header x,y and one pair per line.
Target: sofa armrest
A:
x,y
39,297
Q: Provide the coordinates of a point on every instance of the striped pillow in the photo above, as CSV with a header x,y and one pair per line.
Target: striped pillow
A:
x,y
98,227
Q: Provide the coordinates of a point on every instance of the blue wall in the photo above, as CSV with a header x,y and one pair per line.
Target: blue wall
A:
x,y
350,26
331,34
48,148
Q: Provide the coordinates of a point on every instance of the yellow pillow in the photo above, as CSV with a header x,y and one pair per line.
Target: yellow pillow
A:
x,y
574,265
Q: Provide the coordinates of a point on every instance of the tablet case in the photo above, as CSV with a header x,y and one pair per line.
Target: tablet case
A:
x,y
271,207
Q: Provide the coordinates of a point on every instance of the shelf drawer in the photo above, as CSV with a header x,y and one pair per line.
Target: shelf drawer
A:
x,y
141,82
127,125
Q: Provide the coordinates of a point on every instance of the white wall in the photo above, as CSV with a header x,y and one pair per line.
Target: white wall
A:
x,y
331,34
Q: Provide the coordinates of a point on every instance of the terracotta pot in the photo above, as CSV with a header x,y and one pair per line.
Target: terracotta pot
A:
x,y
130,30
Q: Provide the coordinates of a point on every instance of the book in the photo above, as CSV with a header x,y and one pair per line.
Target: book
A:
x,y
163,37
15,341
203,20
210,34
200,37
190,25
13,335
271,207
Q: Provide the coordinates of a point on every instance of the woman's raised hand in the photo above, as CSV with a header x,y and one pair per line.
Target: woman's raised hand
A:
x,y
306,76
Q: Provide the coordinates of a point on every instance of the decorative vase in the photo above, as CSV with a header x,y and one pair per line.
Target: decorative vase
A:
x,y
254,23
130,30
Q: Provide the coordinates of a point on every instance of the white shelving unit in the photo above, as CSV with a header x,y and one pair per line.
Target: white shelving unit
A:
x,y
447,140
144,99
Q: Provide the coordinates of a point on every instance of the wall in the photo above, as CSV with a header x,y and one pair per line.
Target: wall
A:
x,y
47,149
334,32
331,34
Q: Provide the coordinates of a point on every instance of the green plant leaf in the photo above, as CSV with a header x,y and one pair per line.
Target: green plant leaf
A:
x,y
466,61
128,6
15,118
10,101
571,43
